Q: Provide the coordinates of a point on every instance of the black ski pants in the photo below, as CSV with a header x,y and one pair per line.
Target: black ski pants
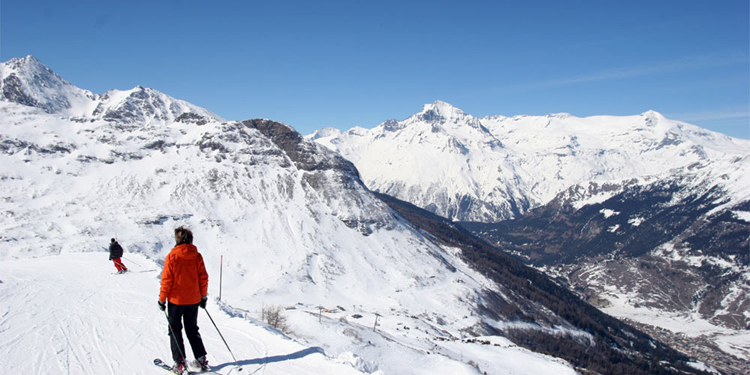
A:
x,y
189,315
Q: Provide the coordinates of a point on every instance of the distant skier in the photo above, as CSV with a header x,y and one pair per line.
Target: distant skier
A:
x,y
115,255
184,283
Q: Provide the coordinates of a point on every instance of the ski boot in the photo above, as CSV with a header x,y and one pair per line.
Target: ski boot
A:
x,y
203,363
180,367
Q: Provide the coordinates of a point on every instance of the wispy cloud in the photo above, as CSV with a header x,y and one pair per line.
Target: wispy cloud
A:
x,y
734,122
684,64
712,115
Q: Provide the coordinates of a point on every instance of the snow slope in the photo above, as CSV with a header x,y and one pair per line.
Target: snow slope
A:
x,y
71,314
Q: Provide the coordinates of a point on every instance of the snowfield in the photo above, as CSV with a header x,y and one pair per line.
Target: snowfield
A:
x,y
72,314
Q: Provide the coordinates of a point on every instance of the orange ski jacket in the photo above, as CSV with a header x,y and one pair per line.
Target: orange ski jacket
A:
x,y
184,279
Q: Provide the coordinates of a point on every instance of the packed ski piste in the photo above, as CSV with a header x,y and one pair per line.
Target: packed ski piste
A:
x,y
74,313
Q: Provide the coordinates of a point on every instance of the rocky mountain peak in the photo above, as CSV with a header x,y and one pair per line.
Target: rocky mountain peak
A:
x,y
440,116
28,82
442,109
441,112
29,61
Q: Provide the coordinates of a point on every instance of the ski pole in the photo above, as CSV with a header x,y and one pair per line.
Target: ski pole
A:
x,y
222,338
174,338
131,261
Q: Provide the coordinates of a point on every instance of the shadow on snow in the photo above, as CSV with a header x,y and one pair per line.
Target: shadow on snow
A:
x,y
273,359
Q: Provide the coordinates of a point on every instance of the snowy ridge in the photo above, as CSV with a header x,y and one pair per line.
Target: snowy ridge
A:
x,y
494,168
141,105
729,173
29,82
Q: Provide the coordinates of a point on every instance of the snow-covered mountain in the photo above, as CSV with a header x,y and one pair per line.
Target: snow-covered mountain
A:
x,y
618,201
671,250
28,82
293,222
495,168
285,221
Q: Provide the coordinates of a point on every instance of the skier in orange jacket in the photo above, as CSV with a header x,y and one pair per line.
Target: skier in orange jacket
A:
x,y
184,283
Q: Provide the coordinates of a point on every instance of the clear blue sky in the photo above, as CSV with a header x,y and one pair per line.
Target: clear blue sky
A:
x,y
313,64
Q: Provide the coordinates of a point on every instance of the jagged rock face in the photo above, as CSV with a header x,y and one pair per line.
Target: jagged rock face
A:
x,y
322,169
490,169
306,155
13,91
677,243
192,118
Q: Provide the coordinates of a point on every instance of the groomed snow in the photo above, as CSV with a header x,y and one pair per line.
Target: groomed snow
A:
x,y
73,314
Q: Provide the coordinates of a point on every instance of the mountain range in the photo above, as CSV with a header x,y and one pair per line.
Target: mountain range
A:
x,y
643,216
286,222
496,168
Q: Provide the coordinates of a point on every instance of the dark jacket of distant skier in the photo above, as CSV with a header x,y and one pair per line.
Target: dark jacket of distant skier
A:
x,y
115,253
115,250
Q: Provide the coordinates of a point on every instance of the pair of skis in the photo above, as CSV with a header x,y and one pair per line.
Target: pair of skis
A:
x,y
159,363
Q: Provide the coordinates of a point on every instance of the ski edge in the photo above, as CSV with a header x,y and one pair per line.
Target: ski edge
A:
x,y
161,364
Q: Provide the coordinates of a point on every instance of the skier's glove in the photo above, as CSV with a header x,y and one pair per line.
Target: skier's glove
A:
x,y
203,302
162,305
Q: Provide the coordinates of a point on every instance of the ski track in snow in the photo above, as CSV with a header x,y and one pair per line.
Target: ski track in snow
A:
x,y
71,314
